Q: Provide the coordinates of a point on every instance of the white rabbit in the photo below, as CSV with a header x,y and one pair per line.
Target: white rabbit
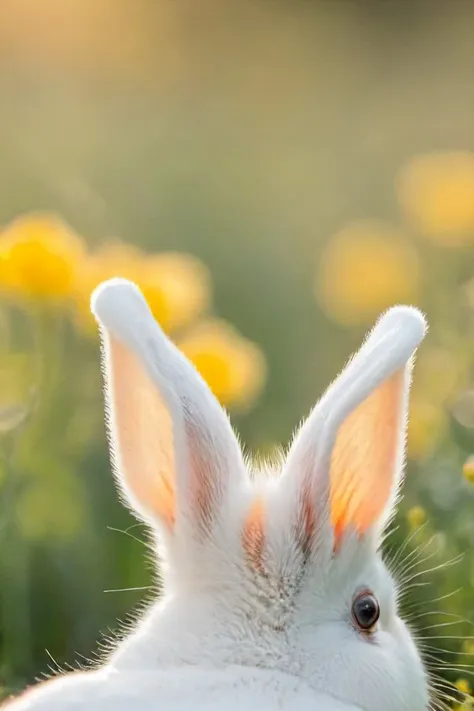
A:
x,y
275,593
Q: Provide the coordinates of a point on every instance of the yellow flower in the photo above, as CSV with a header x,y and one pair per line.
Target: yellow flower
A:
x,y
416,516
436,193
468,469
466,705
111,260
234,368
39,257
366,268
463,686
426,427
177,288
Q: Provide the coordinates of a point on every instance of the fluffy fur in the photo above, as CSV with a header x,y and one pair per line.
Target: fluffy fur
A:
x,y
260,572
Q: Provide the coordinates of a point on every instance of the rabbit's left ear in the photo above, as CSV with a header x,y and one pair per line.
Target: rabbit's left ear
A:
x,y
174,450
346,462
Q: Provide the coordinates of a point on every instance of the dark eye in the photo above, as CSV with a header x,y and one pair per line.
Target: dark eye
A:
x,y
365,611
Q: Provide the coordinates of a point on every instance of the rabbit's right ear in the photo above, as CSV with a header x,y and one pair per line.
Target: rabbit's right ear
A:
x,y
173,449
345,465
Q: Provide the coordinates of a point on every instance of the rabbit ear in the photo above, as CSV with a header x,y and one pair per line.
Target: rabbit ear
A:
x,y
346,462
172,445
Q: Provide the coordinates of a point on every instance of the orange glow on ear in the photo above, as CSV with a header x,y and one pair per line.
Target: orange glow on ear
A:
x,y
364,458
144,430
253,536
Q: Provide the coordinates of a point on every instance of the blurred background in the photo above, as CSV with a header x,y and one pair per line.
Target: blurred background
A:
x,y
273,175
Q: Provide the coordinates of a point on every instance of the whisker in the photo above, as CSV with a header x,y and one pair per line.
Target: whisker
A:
x,y
415,554
387,534
448,564
461,637
407,542
436,599
443,624
127,533
117,590
459,668
411,586
445,651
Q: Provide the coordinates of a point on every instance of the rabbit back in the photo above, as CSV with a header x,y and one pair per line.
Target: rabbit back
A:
x,y
230,689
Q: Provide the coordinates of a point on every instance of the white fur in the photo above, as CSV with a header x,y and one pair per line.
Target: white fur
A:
x,y
232,689
223,637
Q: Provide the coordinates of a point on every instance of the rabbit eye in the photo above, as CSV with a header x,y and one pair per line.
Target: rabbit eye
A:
x,y
365,611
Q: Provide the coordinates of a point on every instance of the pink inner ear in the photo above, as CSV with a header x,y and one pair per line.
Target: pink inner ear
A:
x,y
307,523
364,459
204,477
143,435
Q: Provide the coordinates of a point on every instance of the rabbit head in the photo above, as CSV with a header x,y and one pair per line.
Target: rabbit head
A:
x,y
266,570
